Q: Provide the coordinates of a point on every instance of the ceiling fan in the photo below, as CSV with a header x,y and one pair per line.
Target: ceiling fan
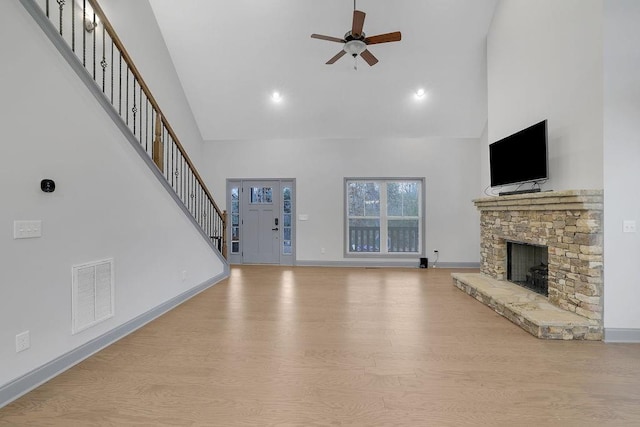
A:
x,y
356,42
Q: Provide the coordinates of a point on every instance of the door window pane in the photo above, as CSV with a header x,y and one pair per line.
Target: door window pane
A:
x,y
261,195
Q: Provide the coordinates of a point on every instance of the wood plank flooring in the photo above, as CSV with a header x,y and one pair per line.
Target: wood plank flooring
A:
x,y
307,346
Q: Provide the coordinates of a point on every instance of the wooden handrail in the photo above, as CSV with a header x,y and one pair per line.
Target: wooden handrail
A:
x,y
134,70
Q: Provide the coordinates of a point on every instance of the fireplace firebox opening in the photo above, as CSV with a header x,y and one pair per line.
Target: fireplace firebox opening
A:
x,y
528,266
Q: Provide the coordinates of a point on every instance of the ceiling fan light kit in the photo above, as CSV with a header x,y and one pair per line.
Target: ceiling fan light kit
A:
x,y
355,41
355,47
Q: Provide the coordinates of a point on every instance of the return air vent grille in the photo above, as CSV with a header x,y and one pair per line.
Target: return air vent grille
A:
x,y
92,294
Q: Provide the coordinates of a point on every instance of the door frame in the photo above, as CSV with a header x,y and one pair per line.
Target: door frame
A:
x,y
237,257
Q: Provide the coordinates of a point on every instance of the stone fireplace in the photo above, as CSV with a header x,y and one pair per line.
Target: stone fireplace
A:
x,y
528,266
569,225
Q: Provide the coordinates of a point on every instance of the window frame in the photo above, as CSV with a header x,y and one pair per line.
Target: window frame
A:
x,y
384,218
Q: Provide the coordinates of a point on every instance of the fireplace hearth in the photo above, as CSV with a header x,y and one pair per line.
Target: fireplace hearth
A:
x,y
541,262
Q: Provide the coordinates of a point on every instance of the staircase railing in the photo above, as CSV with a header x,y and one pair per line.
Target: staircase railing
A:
x,y
84,27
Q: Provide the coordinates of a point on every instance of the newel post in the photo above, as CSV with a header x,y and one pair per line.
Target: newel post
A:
x,y
157,151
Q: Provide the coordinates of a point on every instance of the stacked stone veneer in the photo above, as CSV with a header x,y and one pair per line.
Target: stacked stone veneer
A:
x,y
569,223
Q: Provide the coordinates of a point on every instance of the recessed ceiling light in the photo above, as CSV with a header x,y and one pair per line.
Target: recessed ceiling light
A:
x,y
276,96
420,94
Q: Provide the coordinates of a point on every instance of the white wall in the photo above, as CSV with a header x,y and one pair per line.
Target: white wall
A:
x,y
545,62
485,182
107,204
135,24
621,162
450,168
575,63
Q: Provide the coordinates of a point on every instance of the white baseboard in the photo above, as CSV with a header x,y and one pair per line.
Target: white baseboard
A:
x,y
24,384
375,264
621,335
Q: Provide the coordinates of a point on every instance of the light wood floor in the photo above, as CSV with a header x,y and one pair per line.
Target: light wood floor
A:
x,y
339,346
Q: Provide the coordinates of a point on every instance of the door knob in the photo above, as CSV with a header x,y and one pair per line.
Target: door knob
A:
x,y
274,229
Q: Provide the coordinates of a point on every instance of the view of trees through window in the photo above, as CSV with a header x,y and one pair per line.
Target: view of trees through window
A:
x,y
387,211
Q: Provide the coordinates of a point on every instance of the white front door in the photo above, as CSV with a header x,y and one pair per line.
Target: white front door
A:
x,y
261,222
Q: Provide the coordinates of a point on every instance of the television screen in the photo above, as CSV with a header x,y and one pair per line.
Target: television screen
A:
x,y
521,157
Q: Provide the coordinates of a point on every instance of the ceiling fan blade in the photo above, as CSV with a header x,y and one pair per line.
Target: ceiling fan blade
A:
x,y
358,23
368,56
384,38
328,38
335,58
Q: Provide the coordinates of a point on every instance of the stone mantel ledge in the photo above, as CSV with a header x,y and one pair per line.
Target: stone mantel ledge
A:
x,y
591,200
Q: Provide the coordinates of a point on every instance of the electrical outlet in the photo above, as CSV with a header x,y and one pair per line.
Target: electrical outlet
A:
x,y
322,250
184,275
23,341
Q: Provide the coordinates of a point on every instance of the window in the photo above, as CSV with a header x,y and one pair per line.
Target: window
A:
x,y
383,216
235,220
287,211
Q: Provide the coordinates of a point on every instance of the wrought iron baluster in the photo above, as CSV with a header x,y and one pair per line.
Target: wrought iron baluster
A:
x,y
193,195
173,167
120,87
93,37
153,127
61,7
134,109
194,199
126,105
146,126
73,26
103,63
198,212
184,180
111,68
140,119
84,34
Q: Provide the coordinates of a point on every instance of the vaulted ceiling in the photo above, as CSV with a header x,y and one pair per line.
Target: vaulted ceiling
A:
x,y
231,55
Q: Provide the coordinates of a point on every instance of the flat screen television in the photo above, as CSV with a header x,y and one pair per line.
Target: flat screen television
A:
x,y
521,157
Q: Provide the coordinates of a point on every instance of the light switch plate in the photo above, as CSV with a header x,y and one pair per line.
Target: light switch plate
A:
x,y
27,229
628,226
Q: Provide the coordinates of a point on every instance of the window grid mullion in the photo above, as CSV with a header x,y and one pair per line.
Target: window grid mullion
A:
x,y
384,232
